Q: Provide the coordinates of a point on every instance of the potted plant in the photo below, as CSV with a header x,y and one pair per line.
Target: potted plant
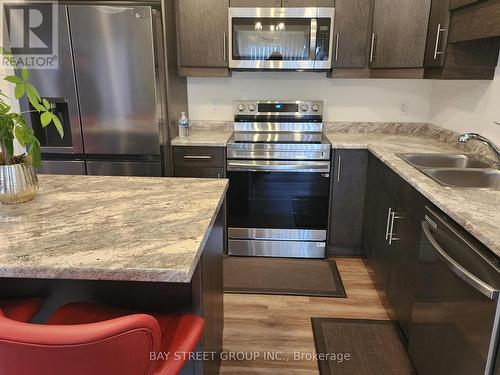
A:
x,y
18,180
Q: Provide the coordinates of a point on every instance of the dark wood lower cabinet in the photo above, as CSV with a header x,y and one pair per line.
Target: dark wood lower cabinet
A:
x,y
394,211
348,176
199,161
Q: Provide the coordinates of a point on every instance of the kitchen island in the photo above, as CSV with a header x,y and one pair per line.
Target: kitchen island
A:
x,y
148,244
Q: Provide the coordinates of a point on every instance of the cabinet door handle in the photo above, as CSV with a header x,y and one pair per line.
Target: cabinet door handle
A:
x,y
339,167
224,47
394,216
372,48
337,47
389,215
436,46
197,157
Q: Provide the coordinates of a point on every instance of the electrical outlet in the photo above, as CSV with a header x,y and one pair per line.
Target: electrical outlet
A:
x,y
404,107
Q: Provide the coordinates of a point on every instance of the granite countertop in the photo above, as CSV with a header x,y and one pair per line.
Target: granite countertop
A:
x,y
204,137
110,228
474,209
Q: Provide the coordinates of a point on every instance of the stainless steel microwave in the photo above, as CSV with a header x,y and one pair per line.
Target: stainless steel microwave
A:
x,y
280,38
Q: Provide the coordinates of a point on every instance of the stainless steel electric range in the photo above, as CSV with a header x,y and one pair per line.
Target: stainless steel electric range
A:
x,y
278,164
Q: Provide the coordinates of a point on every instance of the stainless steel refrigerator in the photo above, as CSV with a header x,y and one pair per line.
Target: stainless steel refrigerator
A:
x,y
110,92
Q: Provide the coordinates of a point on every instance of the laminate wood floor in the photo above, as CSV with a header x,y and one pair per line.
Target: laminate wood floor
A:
x,y
267,323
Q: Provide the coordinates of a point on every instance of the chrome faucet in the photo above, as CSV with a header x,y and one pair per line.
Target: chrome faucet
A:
x,y
464,138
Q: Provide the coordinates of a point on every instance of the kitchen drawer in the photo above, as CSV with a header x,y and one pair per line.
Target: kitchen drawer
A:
x,y
195,156
198,172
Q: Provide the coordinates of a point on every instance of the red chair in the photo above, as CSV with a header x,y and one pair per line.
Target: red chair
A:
x,y
83,338
22,310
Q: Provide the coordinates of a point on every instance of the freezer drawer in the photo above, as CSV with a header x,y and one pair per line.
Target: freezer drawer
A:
x,y
124,168
66,167
455,314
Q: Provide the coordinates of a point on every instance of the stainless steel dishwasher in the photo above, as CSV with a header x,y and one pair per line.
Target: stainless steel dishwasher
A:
x,y
456,311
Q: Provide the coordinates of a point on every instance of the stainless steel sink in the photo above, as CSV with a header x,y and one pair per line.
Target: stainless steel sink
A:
x,y
455,170
432,160
466,178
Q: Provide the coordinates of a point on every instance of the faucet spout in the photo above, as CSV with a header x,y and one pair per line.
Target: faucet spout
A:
x,y
464,138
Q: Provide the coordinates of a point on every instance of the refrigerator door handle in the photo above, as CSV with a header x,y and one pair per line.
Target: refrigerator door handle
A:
x,y
458,269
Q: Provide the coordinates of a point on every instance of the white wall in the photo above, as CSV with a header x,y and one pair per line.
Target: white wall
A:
x,y
457,105
467,105
345,100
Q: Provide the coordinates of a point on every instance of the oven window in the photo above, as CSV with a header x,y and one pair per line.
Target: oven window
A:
x,y
272,200
271,38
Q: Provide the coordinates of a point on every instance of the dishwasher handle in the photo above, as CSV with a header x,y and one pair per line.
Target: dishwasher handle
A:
x,y
458,269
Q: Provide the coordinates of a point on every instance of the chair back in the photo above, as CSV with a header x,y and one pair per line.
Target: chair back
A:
x,y
113,347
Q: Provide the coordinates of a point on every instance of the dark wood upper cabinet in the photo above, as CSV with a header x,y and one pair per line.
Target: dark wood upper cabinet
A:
x,y
478,21
470,59
256,3
454,4
437,35
308,3
399,33
351,34
348,178
202,34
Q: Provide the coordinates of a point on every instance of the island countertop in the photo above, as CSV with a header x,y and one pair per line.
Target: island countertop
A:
x,y
110,228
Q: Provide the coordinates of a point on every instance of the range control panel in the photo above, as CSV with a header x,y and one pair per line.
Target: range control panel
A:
x,y
278,107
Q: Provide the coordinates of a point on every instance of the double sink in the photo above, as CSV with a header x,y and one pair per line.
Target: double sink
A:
x,y
455,170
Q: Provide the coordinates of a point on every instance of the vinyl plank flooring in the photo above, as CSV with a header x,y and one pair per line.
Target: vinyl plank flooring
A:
x,y
269,323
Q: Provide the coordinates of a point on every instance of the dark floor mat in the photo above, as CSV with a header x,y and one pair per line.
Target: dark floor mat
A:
x,y
302,277
375,347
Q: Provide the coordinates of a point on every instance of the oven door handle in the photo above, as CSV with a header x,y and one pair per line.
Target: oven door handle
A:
x,y
276,166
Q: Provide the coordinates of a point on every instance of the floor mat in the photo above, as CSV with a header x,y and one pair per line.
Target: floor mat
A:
x,y
361,347
301,277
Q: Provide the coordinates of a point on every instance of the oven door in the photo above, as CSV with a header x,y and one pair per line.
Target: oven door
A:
x,y
280,38
274,204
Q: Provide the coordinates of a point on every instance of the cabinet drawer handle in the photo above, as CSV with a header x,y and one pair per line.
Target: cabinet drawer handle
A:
x,y
436,47
372,48
224,47
389,214
339,168
197,157
394,216
337,47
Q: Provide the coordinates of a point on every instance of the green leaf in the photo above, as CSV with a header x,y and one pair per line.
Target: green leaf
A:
x,y
21,136
24,73
4,108
45,118
46,104
19,90
34,151
58,125
33,95
13,79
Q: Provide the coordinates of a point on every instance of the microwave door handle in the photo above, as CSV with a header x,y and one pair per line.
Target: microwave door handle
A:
x,y
457,268
312,41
